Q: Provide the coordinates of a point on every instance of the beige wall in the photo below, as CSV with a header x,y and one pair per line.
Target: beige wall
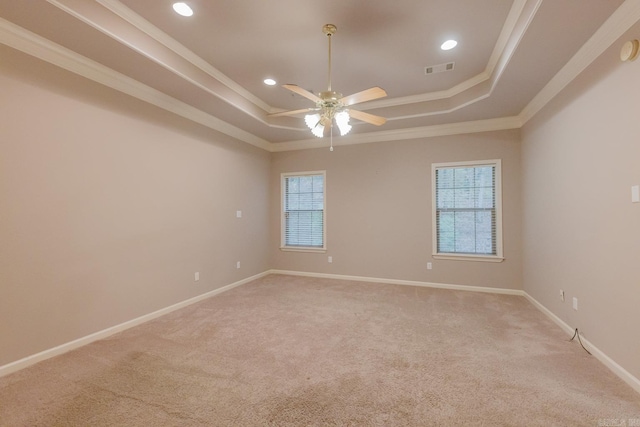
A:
x,y
581,233
379,209
108,206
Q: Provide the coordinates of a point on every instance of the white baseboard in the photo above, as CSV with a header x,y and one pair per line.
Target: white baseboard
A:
x,y
558,321
72,345
30,360
402,282
63,348
622,373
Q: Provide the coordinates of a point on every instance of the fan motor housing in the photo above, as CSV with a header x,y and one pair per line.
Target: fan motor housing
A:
x,y
330,97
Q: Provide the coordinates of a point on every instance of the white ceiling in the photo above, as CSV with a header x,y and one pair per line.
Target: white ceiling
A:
x,y
210,67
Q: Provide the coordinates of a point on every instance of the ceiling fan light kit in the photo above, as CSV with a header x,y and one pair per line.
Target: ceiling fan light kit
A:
x,y
331,106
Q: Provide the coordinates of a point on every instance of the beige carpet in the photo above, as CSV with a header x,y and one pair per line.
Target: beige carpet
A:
x,y
291,351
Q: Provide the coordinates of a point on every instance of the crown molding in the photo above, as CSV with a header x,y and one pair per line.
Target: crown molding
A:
x,y
503,123
160,36
32,44
510,35
613,28
427,97
618,23
517,9
503,50
93,15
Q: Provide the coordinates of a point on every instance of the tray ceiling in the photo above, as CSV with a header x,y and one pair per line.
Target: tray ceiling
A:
x,y
210,67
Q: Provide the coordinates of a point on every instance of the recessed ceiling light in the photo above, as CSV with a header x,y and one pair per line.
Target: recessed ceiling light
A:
x,y
182,9
269,82
448,45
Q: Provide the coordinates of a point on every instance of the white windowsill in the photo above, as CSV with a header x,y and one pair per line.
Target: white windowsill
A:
x,y
302,249
467,257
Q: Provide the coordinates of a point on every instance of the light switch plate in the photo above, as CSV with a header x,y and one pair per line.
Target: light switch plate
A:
x,y
635,194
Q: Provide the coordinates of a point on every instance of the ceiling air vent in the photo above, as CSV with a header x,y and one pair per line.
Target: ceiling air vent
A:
x,y
433,69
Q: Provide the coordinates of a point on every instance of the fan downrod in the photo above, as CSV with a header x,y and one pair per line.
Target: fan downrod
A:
x,y
329,30
330,102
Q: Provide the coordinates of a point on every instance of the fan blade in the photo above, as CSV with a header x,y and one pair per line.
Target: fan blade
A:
x,y
365,95
297,89
291,113
366,117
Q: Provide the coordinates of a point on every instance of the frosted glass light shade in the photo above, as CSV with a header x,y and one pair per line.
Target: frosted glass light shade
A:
x,y
342,120
318,131
313,122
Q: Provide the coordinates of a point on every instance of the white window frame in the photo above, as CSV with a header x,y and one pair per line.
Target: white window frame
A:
x,y
283,240
498,257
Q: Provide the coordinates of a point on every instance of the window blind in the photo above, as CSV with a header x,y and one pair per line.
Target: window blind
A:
x,y
304,211
466,210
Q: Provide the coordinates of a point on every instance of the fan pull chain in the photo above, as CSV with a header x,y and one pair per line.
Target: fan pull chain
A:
x,y
331,137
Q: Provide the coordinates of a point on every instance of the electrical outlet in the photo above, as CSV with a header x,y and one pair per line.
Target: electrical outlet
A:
x,y
238,264
330,259
561,295
429,266
196,276
238,214
575,303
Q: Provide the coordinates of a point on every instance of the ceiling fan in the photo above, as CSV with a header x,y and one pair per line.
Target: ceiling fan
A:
x,y
331,105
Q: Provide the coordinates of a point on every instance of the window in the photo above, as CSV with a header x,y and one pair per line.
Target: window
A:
x,y
303,211
467,210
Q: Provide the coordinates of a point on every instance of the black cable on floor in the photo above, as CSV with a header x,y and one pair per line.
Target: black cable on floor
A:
x,y
580,341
